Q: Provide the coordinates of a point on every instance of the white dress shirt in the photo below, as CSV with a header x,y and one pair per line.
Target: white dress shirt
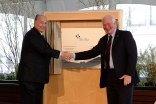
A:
x,y
111,60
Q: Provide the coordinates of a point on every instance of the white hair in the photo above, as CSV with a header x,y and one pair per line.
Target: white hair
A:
x,y
109,16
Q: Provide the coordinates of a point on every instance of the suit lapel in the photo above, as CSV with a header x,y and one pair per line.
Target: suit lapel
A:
x,y
38,33
115,38
104,43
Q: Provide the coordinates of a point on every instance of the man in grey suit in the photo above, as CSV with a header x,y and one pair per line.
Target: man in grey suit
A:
x,y
118,76
33,70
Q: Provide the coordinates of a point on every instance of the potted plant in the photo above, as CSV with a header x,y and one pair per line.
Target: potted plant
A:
x,y
146,66
145,90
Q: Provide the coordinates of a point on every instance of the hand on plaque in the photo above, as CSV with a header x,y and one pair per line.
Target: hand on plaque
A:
x,y
67,55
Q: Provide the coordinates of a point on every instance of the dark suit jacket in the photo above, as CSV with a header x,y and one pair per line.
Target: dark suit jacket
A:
x,y
35,58
124,55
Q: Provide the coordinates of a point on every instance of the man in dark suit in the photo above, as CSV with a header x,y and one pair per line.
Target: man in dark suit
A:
x,y
119,76
33,70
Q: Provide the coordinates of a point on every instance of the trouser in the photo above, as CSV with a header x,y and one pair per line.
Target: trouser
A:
x,y
31,92
117,93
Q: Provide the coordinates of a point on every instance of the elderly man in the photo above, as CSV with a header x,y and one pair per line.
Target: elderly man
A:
x,y
118,62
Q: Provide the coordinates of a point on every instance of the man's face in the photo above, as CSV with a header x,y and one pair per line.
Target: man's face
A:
x,y
108,25
41,23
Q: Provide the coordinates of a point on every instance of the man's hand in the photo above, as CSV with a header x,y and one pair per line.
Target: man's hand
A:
x,y
127,79
67,55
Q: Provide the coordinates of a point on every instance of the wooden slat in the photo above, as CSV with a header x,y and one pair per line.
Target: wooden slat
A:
x,y
1,102
145,92
81,15
10,99
9,94
81,24
144,96
143,102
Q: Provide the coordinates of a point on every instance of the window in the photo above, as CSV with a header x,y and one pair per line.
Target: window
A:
x,y
152,15
137,15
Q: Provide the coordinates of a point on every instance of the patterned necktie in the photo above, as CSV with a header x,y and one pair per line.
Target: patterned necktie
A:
x,y
108,52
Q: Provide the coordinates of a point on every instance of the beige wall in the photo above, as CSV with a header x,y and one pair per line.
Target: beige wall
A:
x,y
75,86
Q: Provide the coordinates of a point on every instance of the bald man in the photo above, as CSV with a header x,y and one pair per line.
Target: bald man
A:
x,y
33,71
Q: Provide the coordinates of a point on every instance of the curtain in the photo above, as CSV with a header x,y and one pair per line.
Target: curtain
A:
x,y
53,37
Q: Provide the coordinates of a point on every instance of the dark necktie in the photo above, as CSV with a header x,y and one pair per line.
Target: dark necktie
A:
x,y
108,52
